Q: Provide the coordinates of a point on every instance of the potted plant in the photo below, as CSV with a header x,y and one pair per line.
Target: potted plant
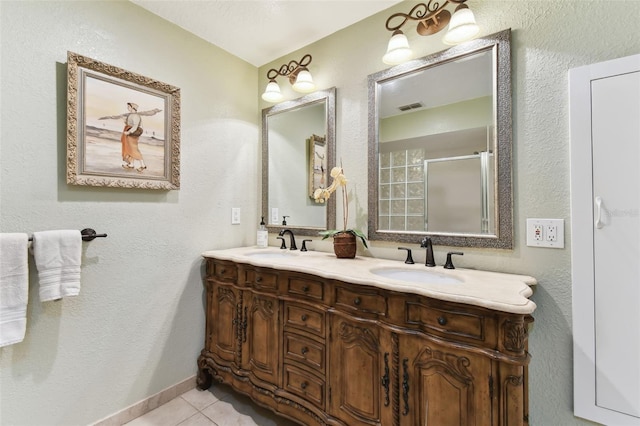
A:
x,y
344,241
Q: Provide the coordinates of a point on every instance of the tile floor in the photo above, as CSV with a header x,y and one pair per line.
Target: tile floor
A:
x,y
217,406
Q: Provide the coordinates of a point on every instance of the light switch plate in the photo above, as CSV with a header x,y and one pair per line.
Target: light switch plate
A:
x,y
235,215
545,233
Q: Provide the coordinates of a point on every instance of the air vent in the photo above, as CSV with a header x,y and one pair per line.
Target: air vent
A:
x,y
410,106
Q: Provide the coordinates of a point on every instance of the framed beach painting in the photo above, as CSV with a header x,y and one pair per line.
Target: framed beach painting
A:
x,y
123,129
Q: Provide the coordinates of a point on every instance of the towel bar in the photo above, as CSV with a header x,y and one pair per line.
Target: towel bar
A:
x,y
88,234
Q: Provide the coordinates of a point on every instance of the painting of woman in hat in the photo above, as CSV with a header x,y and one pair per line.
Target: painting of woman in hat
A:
x,y
131,155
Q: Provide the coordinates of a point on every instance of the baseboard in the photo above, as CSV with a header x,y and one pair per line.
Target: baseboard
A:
x,y
148,404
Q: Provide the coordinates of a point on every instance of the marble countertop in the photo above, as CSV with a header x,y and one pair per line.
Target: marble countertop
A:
x,y
493,290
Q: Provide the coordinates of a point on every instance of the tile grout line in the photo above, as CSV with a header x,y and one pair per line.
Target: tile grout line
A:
x,y
200,410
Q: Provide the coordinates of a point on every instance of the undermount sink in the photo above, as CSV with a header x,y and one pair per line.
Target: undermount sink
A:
x,y
416,276
270,254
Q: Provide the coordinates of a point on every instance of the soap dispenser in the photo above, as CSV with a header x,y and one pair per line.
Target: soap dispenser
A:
x,y
262,239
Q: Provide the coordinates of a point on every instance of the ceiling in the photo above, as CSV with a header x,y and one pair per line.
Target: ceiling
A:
x,y
261,31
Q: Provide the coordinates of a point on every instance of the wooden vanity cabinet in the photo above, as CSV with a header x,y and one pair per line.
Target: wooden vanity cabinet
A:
x,y
328,352
359,377
443,386
243,323
223,303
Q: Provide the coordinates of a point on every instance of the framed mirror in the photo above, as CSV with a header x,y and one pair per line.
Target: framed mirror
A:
x,y
440,142
298,152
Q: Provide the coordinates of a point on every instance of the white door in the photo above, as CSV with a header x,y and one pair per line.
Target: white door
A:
x,y
605,203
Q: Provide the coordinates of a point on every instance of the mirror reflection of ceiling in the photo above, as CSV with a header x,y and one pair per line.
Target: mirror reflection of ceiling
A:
x,y
440,86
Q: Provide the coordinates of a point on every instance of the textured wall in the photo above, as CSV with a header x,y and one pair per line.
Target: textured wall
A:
x,y
137,326
548,38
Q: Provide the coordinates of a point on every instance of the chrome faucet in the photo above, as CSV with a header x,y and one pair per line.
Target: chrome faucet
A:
x,y
292,238
426,243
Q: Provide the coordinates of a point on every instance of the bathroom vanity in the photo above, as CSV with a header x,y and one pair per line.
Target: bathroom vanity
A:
x,y
365,341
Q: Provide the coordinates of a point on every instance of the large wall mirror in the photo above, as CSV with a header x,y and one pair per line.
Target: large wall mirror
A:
x,y
298,152
440,141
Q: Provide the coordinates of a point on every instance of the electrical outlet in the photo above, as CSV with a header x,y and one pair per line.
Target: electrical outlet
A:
x,y
545,233
538,233
550,233
235,215
274,215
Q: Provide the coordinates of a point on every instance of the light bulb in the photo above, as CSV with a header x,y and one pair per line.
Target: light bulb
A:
x,y
462,27
398,50
272,92
304,82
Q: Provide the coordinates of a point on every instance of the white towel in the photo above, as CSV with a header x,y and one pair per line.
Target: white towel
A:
x,y
14,287
58,255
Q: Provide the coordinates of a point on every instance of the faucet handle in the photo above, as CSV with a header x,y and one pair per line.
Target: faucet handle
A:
x,y
283,245
409,259
429,259
304,246
449,264
284,220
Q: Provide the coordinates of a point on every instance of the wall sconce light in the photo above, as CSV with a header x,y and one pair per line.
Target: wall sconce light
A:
x,y
299,77
432,17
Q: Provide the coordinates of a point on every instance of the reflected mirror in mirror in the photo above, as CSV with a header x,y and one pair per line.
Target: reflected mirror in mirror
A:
x,y
440,147
298,149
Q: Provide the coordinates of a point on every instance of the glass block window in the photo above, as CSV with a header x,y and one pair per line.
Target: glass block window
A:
x,y
401,190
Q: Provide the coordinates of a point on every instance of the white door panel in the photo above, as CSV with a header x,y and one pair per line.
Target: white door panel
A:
x,y
605,203
615,108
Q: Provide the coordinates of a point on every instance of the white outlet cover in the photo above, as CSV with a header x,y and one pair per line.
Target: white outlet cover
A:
x,y
533,224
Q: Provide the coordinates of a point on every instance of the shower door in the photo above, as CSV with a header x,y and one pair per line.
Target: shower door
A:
x,y
460,194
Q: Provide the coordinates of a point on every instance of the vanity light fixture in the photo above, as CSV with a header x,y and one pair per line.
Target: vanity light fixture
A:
x,y
432,17
299,77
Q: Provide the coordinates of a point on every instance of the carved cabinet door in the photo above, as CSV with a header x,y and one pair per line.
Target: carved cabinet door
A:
x,y
260,336
442,385
222,322
359,381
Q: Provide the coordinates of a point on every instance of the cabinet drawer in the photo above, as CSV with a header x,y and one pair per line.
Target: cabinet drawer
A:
x,y
305,351
304,384
361,301
222,271
305,288
305,318
456,323
261,280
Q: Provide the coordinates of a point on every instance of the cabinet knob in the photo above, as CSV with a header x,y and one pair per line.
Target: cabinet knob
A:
x,y
357,301
303,317
305,288
259,279
222,271
305,350
442,321
304,385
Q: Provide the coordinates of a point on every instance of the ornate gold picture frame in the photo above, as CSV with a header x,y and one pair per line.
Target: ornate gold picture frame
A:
x,y
123,129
